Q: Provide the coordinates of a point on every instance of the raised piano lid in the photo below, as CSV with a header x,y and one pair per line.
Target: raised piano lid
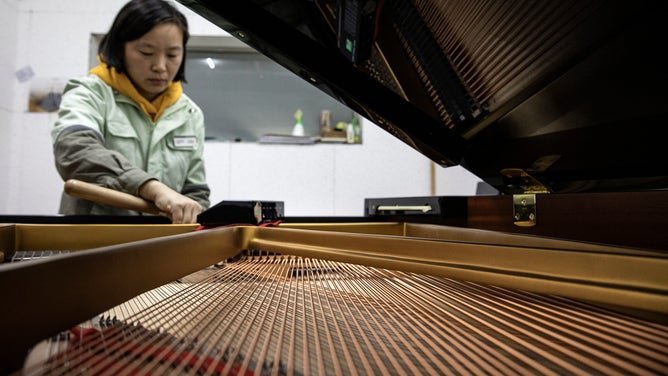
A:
x,y
572,93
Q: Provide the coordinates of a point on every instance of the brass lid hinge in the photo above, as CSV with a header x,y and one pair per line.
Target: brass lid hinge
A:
x,y
524,210
525,188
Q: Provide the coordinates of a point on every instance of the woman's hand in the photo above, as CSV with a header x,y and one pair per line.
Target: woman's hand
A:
x,y
175,206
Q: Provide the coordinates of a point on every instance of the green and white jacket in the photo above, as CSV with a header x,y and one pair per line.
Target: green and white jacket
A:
x,y
104,137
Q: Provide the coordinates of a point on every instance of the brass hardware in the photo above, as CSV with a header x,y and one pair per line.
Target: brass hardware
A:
x,y
524,204
524,181
524,210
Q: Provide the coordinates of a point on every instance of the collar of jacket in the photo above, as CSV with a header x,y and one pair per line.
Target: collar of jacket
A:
x,y
121,82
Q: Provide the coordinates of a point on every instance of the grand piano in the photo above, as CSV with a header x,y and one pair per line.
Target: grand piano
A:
x,y
558,105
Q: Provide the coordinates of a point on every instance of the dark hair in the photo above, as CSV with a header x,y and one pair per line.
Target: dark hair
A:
x,y
135,19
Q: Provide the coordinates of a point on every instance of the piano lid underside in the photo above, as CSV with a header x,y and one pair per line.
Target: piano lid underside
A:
x,y
279,314
571,91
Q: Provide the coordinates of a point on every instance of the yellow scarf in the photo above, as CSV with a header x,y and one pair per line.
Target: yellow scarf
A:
x,y
122,83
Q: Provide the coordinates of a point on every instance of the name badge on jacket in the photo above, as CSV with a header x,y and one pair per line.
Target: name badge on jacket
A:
x,y
185,142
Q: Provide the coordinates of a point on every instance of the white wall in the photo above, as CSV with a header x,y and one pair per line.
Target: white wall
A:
x,y
326,179
9,43
52,37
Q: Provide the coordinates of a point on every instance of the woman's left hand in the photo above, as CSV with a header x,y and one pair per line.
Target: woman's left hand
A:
x,y
175,206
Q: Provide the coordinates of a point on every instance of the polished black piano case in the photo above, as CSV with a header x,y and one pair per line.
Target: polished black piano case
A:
x,y
563,101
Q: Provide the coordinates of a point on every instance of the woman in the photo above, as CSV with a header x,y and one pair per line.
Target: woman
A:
x,y
128,125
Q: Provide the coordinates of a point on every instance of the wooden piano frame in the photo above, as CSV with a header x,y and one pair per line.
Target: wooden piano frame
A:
x,y
118,262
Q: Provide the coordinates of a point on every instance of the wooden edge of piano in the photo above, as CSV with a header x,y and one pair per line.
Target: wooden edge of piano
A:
x,y
45,296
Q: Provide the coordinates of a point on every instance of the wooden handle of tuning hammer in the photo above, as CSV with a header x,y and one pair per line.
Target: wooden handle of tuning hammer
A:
x,y
108,196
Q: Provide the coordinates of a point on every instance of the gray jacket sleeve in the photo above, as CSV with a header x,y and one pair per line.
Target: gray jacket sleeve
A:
x,y
80,154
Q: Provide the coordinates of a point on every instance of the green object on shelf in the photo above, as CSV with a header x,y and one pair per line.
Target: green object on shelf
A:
x,y
298,129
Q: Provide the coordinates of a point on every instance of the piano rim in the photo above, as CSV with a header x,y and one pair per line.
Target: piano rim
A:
x,y
625,279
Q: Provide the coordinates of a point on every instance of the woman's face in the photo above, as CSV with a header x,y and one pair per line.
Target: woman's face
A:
x,y
153,60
